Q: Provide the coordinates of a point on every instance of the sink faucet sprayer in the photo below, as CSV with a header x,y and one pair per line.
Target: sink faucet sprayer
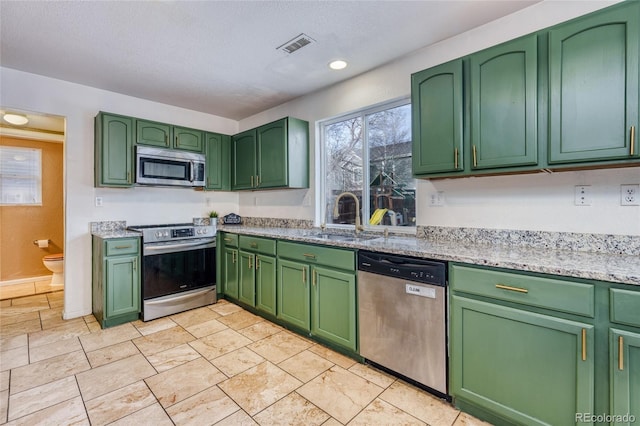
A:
x,y
336,214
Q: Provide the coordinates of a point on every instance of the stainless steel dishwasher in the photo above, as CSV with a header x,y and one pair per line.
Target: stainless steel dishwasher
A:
x,y
402,316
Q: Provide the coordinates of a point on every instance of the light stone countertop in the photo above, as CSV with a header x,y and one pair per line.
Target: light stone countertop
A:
x,y
116,233
615,268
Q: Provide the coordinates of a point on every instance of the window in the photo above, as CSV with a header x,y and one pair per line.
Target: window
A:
x,y
368,154
20,176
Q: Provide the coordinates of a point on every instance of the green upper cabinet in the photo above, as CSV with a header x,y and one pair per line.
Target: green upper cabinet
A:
x,y
243,160
188,139
153,133
218,152
437,119
275,155
113,150
593,87
503,100
167,136
272,155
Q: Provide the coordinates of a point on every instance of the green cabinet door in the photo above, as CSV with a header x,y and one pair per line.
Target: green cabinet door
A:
x,y
593,87
504,86
122,286
293,293
230,275
625,376
437,104
530,368
243,160
266,283
218,152
187,139
272,155
333,306
246,278
114,164
153,133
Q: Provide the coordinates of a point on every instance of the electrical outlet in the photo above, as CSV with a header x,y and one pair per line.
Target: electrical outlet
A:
x,y
436,199
99,202
630,195
582,196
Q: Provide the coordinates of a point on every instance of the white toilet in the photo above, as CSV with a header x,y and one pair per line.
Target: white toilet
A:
x,y
55,263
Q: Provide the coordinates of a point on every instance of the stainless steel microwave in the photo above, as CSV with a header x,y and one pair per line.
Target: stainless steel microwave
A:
x,y
167,167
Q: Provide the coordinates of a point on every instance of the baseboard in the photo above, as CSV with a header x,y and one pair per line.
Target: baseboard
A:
x,y
25,280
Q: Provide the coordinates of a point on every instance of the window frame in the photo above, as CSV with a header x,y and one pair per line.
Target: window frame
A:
x,y
36,179
321,171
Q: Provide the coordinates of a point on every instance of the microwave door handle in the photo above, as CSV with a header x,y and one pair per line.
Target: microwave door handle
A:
x,y
193,170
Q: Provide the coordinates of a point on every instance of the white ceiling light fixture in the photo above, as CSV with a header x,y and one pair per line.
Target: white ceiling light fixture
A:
x,y
16,119
338,64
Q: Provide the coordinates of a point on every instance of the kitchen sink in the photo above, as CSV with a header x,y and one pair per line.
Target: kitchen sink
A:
x,y
339,237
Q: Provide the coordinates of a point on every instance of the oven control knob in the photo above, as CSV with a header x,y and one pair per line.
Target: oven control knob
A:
x,y
158,234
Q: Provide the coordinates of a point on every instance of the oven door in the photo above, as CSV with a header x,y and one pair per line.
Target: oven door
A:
x,y
173,268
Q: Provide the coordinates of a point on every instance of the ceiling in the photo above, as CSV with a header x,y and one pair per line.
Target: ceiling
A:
x,y
222,57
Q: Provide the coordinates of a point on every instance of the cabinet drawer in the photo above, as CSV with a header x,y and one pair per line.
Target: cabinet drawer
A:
x,y
549,293
624,306
318,255
258,244
230,240
122,246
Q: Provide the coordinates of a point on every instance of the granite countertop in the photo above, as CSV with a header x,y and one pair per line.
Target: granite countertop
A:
x,y
116,233
618,268
112,229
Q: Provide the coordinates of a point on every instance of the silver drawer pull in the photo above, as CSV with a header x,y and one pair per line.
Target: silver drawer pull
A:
x,y
507,287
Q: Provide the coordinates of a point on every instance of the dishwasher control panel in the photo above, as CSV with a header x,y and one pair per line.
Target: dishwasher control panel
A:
x,y
410,268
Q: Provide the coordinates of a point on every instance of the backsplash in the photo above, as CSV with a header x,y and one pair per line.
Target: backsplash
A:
x,y
270,222
598,243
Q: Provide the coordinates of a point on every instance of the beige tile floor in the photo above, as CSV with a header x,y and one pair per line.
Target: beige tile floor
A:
x,y
214,365
37,285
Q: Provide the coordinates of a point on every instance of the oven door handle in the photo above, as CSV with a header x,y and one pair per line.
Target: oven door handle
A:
x,y
174,248
180,296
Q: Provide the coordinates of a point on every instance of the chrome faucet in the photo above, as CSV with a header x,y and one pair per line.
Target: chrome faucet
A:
x,y
336,214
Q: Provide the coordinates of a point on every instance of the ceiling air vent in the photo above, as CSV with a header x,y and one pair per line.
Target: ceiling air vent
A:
x,y
296,43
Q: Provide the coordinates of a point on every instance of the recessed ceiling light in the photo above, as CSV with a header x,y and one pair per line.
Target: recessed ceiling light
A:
x,y
16,119
337,65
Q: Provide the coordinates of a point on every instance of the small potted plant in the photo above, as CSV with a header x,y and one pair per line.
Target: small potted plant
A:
x,y
213,217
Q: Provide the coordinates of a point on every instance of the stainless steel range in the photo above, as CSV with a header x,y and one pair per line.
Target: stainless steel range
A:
x,y
179,268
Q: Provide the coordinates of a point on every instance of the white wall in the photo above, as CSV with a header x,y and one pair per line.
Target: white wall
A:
x,y
534,202
79,104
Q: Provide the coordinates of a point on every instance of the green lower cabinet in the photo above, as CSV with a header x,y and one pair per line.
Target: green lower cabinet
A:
x,y
123,289
525,367
266,284
624,377
247,278
230,275
333,306
293,295
115,280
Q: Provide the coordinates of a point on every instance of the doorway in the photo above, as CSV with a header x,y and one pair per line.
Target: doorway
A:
x,y
32,203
